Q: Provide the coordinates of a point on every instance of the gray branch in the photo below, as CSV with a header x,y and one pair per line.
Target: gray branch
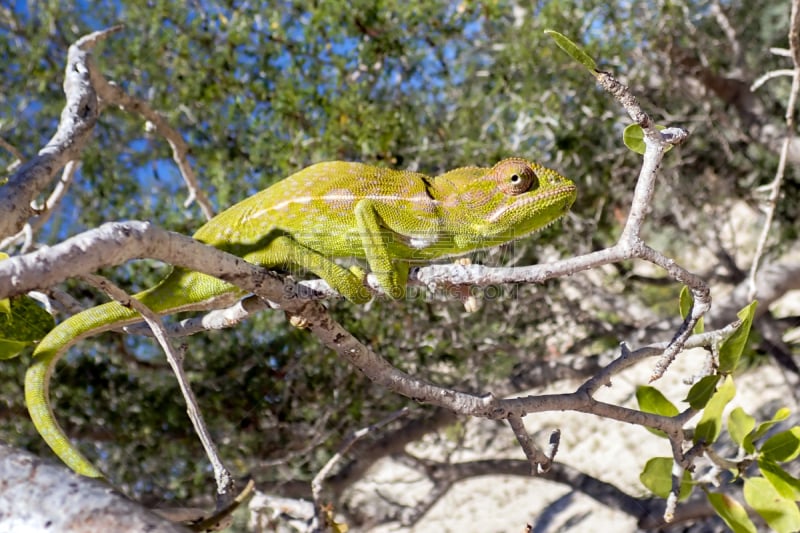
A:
x,y
74,129
77,504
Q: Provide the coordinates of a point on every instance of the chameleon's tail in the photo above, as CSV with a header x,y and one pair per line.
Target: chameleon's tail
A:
x,y
180,291
45,357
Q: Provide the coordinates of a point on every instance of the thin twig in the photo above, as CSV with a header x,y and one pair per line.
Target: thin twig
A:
x,y
783,52
764,78
211,321
13,151
775,186
730,32
44,212
224,480
112,93
316,483
629,245
535,456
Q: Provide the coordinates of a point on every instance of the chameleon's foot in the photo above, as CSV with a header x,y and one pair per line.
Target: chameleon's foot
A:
x,y
358,272
354,288
393,279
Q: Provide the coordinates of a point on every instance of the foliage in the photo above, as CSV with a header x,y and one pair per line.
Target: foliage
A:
x,y
22,322
259,91
773,494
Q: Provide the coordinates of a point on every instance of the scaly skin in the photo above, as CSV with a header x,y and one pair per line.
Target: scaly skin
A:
x,y
393,219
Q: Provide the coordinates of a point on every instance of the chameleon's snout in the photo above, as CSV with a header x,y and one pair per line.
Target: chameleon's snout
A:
x,y
565,196
572,195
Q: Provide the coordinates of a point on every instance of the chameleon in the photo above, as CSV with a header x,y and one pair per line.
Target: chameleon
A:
x,y
391,218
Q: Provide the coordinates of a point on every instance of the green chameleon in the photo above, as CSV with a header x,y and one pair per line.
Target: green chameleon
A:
x,y
390,218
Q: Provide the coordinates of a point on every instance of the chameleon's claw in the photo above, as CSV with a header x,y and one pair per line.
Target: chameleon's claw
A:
x,y
357,292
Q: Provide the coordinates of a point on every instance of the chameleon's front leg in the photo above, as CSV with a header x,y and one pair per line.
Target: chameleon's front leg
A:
x,y
392,274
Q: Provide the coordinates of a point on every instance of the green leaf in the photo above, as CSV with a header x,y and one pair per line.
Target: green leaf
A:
x,y
28,321
787,485
732,512
783,446
657,477
11,349
781,514
731,349
574,51
652,401
710,424
780,414
25,322
685,302
701,392
740,424
633,137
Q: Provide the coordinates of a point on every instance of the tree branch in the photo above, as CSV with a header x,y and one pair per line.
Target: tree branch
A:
x,y
114,243
222,476
77,504
77,121
113,94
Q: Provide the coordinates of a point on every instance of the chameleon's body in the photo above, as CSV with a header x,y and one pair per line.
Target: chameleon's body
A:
x,y
390,218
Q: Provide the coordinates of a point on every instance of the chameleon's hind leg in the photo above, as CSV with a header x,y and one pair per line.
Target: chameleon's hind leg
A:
x,y
287,253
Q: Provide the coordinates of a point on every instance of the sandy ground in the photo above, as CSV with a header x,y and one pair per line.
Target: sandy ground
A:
x,y
611,451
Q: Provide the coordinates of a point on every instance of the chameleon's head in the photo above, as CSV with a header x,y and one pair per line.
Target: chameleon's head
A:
x,y
514,198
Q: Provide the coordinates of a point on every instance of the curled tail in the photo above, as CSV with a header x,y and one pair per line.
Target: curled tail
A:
x,y
180,291
45,357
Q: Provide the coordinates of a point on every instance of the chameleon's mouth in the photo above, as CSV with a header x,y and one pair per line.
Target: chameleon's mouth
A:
x,y
547,199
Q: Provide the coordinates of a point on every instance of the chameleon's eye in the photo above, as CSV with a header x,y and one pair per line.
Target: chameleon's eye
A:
x,y
515,177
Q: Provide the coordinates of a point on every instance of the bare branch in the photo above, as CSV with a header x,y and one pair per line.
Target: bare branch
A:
x,y
316,483
115,243
775,186
75,127
84,504
224,480
112,93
